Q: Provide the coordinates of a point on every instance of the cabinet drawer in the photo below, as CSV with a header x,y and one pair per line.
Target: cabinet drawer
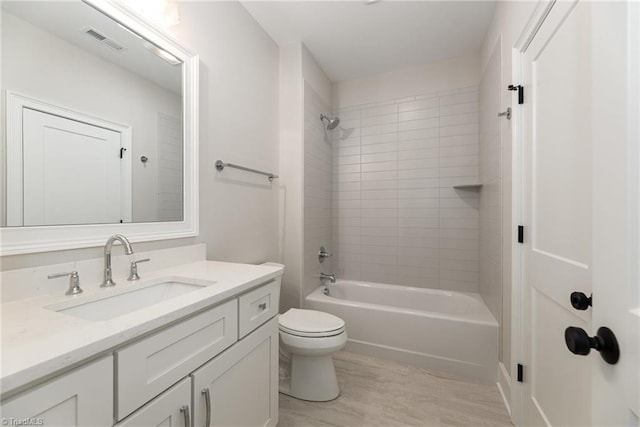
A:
x,y
171,408
147,367
258,306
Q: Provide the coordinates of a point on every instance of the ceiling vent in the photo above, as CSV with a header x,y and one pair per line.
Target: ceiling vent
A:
x,y
101,38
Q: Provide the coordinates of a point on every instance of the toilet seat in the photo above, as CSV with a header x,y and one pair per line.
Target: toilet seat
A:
x,y
310,323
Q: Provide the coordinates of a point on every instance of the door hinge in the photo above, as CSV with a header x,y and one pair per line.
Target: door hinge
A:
x,y
520,373
122,150
520,90
521,234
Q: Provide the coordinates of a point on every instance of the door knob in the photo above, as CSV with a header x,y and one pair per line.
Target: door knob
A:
x,y
581,344
580,301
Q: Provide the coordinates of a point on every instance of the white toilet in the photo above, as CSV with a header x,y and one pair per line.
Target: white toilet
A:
x,y
308,339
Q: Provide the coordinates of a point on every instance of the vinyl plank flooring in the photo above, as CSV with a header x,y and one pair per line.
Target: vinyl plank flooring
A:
x,y
377,392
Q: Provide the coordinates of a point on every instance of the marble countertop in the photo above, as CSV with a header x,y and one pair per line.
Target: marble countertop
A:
x,y
38,342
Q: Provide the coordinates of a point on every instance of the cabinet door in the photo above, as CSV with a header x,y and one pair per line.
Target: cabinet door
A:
x,y
82,397
171,409
241,383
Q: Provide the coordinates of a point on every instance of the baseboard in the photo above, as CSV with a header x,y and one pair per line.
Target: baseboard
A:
x,y
504,385
459,368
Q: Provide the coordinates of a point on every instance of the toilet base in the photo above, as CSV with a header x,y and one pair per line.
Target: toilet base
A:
x,y
312,378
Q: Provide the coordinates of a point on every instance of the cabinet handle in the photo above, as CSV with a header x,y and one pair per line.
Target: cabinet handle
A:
x,y
262,306
185,413
207,402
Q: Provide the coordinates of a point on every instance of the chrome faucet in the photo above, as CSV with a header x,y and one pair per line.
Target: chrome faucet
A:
x,y
108,281
330,277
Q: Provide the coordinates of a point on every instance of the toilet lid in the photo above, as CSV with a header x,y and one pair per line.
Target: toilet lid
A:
x,y
310,322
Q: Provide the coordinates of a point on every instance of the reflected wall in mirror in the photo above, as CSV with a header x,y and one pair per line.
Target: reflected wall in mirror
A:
x,y
94,119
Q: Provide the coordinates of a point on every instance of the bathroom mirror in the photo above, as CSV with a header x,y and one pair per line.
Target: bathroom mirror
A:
x,y
100,119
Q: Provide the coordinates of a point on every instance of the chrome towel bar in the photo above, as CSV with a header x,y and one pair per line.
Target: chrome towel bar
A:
x,y
220,165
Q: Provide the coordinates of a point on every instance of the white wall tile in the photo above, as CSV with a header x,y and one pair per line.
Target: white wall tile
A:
x,y
404,223
407,135
419,114
419,124
418,105
379,157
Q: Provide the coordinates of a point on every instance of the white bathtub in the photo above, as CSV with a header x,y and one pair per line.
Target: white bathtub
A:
x,y
441,330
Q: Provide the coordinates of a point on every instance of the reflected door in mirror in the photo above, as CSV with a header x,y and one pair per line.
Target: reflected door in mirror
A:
x,y
72,172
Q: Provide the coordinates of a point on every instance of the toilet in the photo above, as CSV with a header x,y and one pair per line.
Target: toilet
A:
x,y
308,339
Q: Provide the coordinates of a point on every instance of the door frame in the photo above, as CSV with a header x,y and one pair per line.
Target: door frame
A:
x,y
518,292
15,104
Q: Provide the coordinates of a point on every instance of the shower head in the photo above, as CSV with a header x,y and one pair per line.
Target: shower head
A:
x,y
331,123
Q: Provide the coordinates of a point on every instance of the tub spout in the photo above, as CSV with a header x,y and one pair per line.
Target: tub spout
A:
x,y
330,277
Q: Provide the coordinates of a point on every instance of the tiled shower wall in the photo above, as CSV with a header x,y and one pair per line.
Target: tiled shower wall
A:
x,y
317,190
396,217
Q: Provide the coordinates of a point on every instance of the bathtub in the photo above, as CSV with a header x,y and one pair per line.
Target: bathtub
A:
x,y
446,331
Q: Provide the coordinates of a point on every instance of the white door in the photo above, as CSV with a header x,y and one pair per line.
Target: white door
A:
x,y
577,195
72,171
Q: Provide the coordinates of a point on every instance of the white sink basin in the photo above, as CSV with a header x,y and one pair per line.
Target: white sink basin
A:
x,y
127,301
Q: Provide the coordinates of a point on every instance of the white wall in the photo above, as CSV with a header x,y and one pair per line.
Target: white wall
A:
x,y
508,21
291,180
238,123
317,190
29,68
454,73
491,178
304,91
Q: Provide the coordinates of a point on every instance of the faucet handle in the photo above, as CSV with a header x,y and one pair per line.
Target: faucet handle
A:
x,y
133,270
74,282
322,254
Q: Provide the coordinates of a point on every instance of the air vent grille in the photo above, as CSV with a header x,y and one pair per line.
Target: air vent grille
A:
x,y
103,39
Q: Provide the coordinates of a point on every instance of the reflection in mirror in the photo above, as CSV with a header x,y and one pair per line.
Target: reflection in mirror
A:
x,y
94,130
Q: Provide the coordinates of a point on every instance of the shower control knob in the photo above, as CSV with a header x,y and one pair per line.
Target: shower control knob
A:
x,y
322,254
580,301
578,342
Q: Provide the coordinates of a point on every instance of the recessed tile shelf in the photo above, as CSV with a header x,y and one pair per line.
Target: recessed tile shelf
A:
x,y
469,187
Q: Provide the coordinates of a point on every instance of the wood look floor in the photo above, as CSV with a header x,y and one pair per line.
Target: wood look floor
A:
x,y
376,392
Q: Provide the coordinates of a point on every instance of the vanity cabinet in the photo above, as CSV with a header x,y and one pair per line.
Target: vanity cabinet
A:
x,y
82,397
216,367
240,386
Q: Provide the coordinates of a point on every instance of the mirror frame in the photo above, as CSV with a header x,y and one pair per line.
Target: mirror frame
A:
x,y
23,240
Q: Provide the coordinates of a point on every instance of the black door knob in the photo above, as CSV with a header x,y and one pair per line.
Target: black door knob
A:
x,y
580,301
605,342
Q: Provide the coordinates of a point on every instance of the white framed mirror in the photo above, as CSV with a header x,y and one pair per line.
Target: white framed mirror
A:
x,y
101,128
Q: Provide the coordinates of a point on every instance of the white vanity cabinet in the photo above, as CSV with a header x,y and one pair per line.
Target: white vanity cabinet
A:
x,y
217,366
82,397
240,386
